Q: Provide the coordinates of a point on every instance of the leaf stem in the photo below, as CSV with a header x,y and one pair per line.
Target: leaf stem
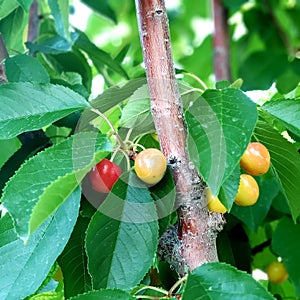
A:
x,y
177,284
115,133
197,79
149,287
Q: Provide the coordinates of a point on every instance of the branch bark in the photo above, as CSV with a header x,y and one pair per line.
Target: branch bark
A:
x,y
33,24
196,230
3,55
222,68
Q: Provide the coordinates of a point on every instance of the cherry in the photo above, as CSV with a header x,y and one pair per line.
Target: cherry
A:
x,y
150,165
277,272
248,191
256,159
58,276
104,175
214,203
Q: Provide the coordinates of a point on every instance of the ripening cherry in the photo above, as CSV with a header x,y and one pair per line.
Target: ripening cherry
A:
x,y
150,165
104,175
248,191
214,203
277,272
256,159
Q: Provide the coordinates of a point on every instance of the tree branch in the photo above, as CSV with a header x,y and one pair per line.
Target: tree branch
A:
x,y
222,68
33,25
196,231
3,55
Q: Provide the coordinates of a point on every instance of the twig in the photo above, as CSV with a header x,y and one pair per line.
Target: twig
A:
x,y
3,55
222,68
33,24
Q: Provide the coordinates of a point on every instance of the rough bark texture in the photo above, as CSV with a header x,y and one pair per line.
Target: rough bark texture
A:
x,y
196,232
222,68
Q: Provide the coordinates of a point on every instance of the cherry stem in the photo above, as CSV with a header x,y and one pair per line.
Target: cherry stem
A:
x,y
197,79
128,134
192,90
115,133
149,287
176,285
119,149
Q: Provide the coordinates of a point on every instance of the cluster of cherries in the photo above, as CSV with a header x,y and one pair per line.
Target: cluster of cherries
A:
x,y
255,161
150,166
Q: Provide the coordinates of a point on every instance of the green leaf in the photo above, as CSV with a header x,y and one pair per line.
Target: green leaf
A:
x,y
108,99
7,6
253,215
229,188
103,8
136,114
220,281
234,5
48,296
8,148
233,245
60,12
286,110
25,68
220,124
52,45
26,266
287,82
286,244
164,194
261,69
29,106
285,163
117,94
98,56
25,4
73,261
12,28
73,61
122,237
38,177
104,295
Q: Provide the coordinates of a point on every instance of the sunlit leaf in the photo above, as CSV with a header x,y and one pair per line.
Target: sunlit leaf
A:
x,y
219,281
220,124
29,106
122,237
26,266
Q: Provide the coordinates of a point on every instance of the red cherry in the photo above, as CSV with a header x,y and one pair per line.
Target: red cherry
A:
x,y
104,175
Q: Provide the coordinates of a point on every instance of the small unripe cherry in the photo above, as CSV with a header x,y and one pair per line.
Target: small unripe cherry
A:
x,y
214,203
277,272
58,276
248,191
150,165
104,175
256,159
